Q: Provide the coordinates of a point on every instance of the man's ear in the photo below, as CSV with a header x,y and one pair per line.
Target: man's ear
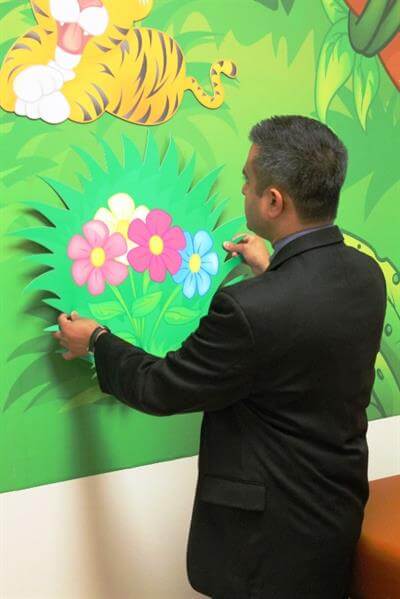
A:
x,y
273,201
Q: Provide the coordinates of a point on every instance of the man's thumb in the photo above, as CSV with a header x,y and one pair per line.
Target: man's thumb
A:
x,y
74,315
231,247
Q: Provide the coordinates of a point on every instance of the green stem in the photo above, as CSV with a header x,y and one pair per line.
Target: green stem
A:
x,y
121,300
145,286
132,283
146,281
166,306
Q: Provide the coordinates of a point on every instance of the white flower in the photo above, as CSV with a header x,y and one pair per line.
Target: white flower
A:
x,y
122,212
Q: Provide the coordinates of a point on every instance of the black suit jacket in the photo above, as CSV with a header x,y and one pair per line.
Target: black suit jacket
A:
x,y
283,367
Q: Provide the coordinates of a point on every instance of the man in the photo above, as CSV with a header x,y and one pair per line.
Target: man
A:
x,y
282,367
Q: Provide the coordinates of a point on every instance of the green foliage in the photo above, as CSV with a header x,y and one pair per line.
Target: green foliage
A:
x,y
146,305
338,63
335,10
334,67
365,85
274,4
181,315
374,152
106,310
143,310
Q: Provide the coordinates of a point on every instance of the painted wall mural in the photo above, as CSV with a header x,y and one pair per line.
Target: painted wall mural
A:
x,y
125,224
84,58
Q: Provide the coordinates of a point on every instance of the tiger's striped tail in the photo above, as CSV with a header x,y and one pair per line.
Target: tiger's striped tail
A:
x,y
225,67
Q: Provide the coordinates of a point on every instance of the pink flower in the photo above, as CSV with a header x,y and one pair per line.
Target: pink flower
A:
x,y
94,255
158,245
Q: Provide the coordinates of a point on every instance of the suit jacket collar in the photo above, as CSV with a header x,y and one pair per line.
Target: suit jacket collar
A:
x,y
307,242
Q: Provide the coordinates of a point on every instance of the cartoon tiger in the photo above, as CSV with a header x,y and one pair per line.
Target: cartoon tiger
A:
x,y
84,58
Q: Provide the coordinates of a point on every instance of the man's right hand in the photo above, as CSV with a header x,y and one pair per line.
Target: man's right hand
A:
x,y
253,250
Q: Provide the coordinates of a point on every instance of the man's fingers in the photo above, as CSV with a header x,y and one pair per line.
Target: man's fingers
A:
x,y
232,247
68,355
244,235
63,320
57,335
74,315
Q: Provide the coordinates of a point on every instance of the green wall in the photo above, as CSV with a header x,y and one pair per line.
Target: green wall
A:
x,y
292,57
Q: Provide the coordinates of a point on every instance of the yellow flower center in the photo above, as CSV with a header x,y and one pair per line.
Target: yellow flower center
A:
x,y
156,245
122,228
97,257
195,263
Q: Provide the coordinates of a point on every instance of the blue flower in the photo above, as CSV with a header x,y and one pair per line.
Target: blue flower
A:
x,y
198,263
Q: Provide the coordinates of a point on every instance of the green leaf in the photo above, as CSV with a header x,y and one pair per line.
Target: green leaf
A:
x,y
106,310
127,336
335,9
35,345
335,65
287,5
146,304
84,398
181,315
6,7
271,4
365,85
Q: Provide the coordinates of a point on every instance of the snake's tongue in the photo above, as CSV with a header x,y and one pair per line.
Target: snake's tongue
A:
x,y
71,38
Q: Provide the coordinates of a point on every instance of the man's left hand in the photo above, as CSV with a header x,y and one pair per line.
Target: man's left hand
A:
x,y
74,334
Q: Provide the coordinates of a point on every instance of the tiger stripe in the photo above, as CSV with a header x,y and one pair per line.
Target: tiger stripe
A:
x,y
103,48
140,41
95,103
106,69
86,114
33,35
138,74
20,46
39,10
102,95
225,67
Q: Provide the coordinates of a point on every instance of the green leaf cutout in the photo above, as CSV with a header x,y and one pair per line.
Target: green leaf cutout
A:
x,y
106,310
127,336
365,85
335,65
180,315
146,304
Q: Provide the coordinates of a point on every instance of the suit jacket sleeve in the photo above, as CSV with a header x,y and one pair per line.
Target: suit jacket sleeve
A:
x,y
212,369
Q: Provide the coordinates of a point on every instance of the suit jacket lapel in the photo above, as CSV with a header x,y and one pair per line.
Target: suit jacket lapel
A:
x,y
307,242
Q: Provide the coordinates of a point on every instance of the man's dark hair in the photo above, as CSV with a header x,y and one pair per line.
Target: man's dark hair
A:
x,y
305,159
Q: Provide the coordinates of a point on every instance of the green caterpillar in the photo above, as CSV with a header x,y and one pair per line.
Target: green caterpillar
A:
x,y
386,392
371,31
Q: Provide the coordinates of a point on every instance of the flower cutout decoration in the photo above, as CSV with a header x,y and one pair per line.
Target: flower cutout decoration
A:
x,y
198,263
95,256
158,245
118,218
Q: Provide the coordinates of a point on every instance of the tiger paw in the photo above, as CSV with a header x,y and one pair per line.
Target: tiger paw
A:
x,y
36,82
53,108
